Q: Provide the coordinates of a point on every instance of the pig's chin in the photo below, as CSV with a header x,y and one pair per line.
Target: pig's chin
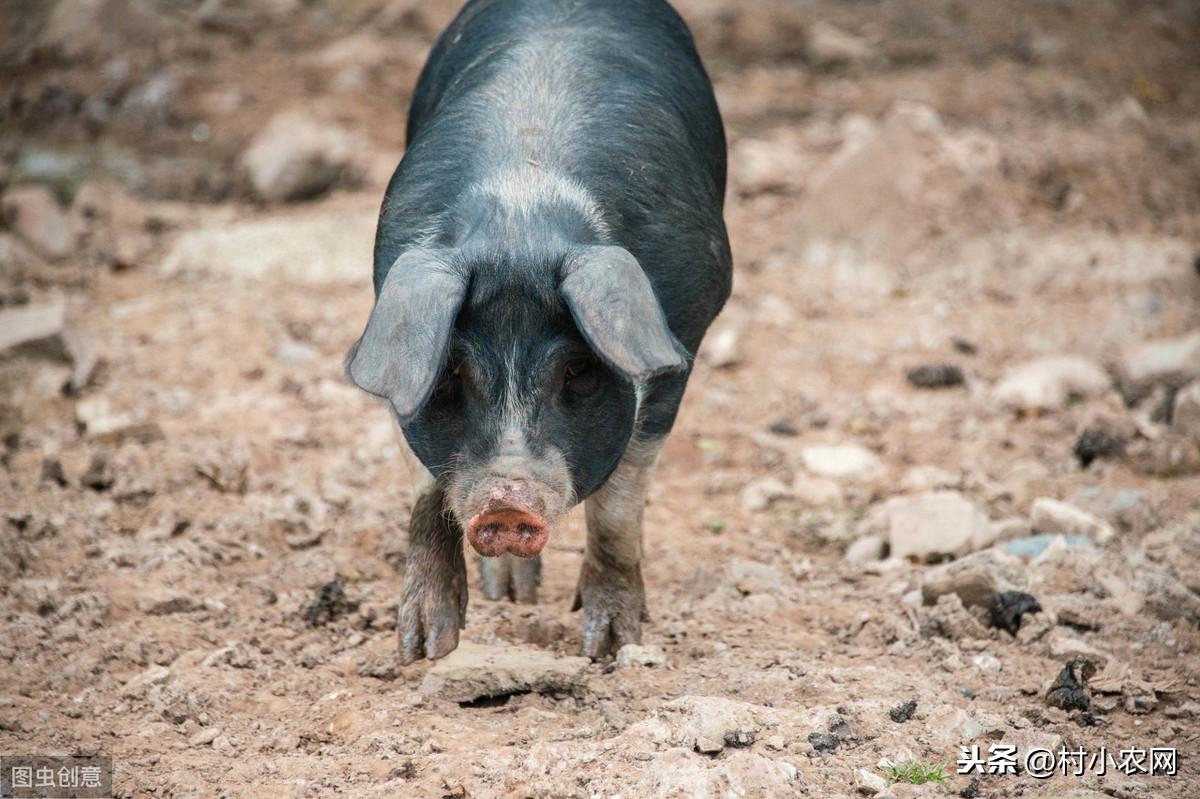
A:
x,y
512,517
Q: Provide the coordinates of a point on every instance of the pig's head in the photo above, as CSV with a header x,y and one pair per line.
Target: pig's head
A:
x,y
517,387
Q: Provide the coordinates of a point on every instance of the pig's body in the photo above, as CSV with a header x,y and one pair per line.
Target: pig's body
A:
x,y
564,182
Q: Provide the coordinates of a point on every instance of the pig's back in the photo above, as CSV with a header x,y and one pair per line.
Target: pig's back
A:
x,y
608,94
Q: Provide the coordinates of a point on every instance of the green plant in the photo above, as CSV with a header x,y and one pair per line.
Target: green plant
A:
x,y
915,773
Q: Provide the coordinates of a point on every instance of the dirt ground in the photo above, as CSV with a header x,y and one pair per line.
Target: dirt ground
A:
x,y
202,544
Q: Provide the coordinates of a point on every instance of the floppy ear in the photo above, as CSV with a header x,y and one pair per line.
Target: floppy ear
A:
x,y
403,348
614,306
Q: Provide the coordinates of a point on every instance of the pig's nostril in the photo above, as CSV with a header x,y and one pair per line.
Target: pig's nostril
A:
x,y
526,530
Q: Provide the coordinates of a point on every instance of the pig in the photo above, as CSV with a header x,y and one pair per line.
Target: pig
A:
x,y
550,252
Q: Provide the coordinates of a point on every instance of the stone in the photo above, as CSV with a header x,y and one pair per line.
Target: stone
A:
x,y
1027,741
1035,545
816,492
867,549
869,782
929,478
709,723
296,157
1066,647
1055,517
723,349
635,655
96,417
1172,361
829,46
33,213
312,247
476,671
936,375
1047,384
845,461
137,685
929,525
1169,599
205,737
1185,418
165,603
973,578
952,726
758,495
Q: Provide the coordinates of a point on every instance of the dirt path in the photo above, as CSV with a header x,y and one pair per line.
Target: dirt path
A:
x,y
201,549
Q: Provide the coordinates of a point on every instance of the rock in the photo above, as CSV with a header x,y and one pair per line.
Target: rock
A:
x,y
1185,419
751,577
723,349
33,213
1034,546
973,578
1051,516
952,726
935,375
296,157
1127,509
475,671
919,479
226,468
112,223
1048,383
635,655
830,46
867,549
824,742
96,418
708,724
312,247
1169,599
759,494
379,666
205,737
137,685
45,330
868,782
1027,741
1065,647
1069,690
1168,361
166,603
987,663
773,164
816,492
929,525
845,461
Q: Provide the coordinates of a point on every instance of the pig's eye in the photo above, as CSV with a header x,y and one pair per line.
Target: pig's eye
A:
x,y
581,377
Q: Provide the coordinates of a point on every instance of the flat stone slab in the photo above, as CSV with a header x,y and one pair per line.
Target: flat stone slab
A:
x,y
475,671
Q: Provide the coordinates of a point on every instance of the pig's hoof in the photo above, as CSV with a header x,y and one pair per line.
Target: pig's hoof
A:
x,y
614,606
432,611
512,577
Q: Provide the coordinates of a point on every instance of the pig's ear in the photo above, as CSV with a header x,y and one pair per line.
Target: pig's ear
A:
x,y
401,353
614,306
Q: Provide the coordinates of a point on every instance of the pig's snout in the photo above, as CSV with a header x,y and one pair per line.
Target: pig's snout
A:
x,y
512,519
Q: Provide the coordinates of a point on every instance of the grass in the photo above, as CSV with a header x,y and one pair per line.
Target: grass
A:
x,y
915,773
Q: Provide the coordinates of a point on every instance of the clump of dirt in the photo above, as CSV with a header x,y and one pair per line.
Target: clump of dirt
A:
x,y
1006,608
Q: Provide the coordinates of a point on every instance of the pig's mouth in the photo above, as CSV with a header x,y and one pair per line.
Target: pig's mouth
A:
x,y
511,518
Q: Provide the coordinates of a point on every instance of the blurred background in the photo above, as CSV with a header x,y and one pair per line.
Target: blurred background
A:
x,y
965,327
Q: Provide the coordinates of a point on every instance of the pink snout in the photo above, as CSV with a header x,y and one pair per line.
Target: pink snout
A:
x,y
512,520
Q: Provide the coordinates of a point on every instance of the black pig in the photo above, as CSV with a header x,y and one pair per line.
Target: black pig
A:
x,y
550,252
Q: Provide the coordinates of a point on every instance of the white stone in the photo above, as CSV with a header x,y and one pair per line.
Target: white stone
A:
x,y
1051,516
1185,418
724,348
1175,359
295,156
846,461
817,492
33,214
1047,384
866,549
474,670
635,655
313,247
934,523
137,685
759,494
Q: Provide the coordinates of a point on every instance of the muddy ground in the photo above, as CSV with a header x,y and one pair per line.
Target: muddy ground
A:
x,y
203,537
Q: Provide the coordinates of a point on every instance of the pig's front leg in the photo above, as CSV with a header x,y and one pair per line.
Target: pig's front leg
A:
x,y
610,587
433,607
511,577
